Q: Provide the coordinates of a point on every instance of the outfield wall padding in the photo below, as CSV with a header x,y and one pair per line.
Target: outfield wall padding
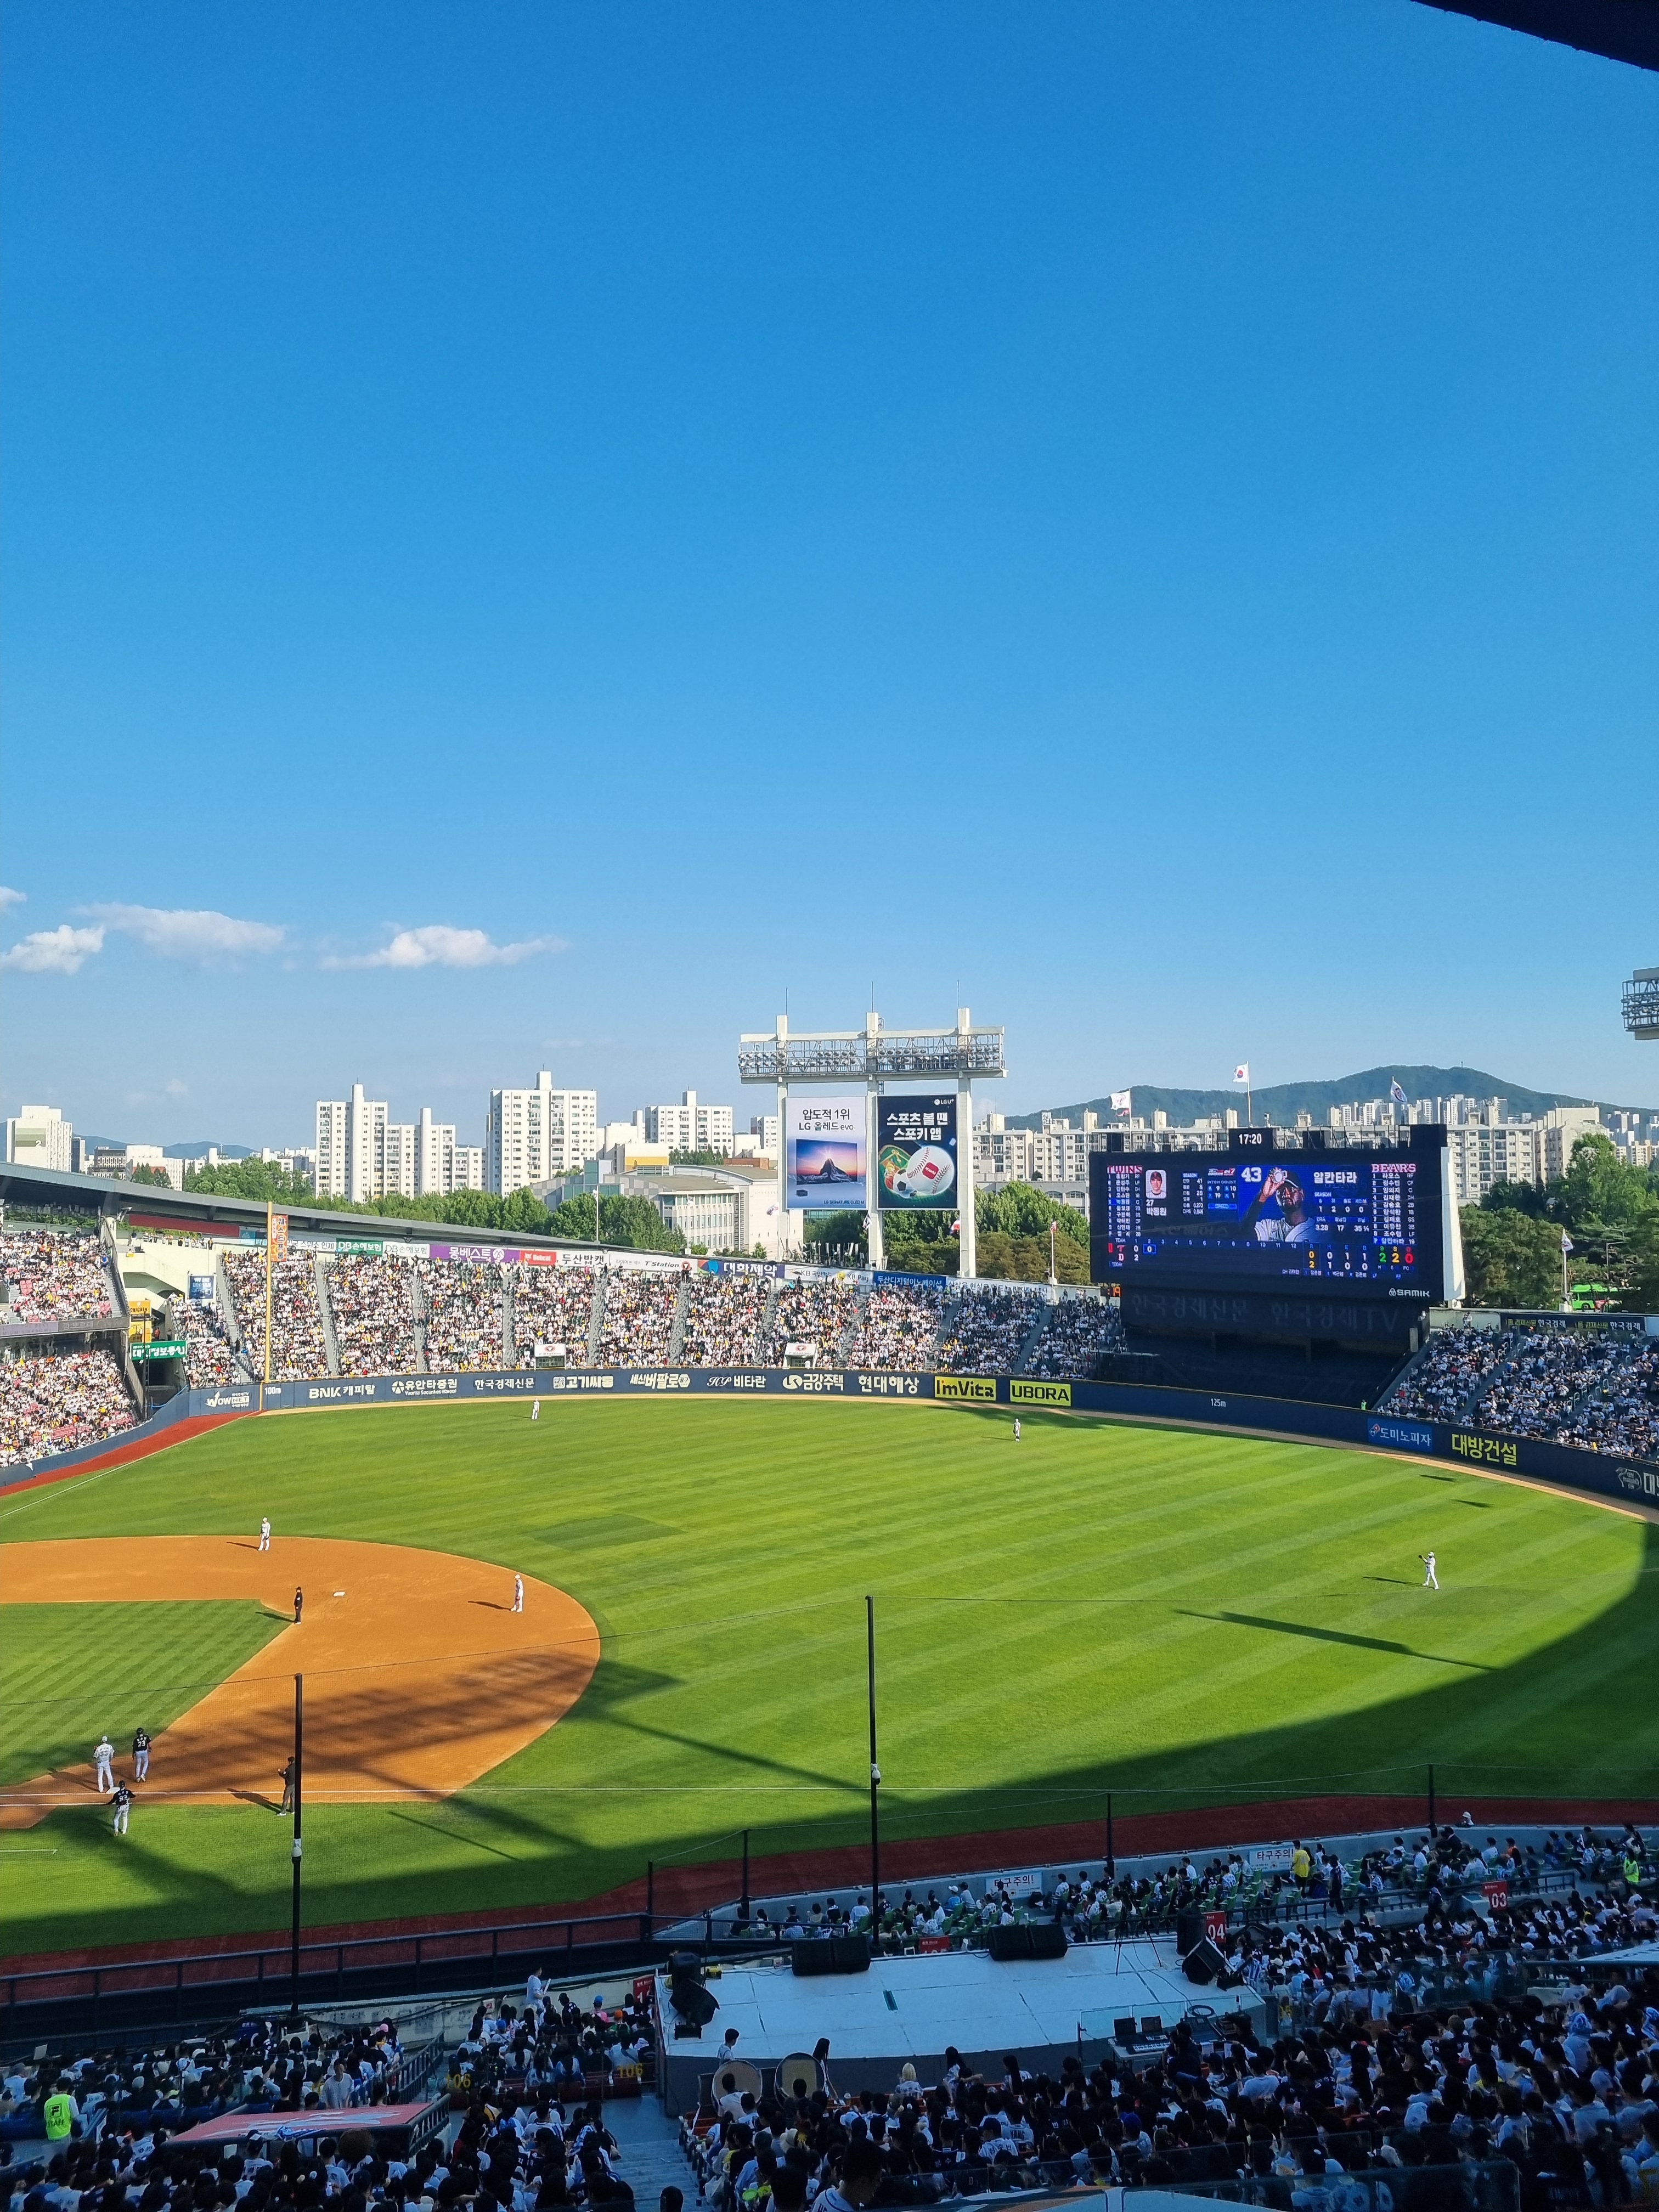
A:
x,y
1596,1475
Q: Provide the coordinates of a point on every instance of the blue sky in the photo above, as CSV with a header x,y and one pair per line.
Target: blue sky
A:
x,y
533,536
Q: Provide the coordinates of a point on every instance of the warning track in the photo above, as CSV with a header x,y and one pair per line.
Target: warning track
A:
x,y
419,1677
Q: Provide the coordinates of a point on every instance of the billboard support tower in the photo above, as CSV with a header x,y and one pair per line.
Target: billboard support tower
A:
x,y
1641,1006
870,1057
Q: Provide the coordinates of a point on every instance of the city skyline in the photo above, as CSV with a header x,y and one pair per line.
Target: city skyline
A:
x,y
1196,469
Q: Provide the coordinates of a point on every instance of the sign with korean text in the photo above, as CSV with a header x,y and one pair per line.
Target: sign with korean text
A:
x,y
823,1154
916,1153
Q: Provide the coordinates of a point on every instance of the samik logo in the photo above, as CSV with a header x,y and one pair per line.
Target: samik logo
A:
x,y
1023,1392
981,1388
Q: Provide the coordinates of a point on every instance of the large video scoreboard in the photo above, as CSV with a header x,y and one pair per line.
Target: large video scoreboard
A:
x,y
1276,1214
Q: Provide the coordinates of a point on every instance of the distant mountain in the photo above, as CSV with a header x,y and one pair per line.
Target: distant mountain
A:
x,y
1282,1102
194,1148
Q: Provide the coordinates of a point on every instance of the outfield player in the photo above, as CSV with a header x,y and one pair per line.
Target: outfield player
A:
x,y
1430,1580
264,1532
535,1409
1015,1428
141,1754
518,1593
105,1755
121,1801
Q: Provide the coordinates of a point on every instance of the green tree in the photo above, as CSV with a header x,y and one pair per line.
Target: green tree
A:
x,y
1642,1266
155,1177
1506,1197
633,1222
1020,1209
1510,1259
1601,1191
262,1182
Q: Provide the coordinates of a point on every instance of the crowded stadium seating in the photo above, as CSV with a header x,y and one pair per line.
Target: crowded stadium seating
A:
x,y
724,1317
898,1326
1431,2034
1588,1384
54,1275
371,1301
816,1312
985,1332
1080,1334
1416,2037
552,1305
297,1351
462,1315
53,1402
639,1317
210,1359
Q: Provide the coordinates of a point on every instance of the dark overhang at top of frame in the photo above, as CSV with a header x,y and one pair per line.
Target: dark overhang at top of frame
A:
x,y
1623,30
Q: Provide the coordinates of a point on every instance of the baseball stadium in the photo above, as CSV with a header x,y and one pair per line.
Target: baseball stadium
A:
x,y
594,1576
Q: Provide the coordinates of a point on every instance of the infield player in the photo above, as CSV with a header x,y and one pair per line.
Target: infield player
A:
x,y
141,1754
264,1532
105,1755
518,1593
1430,1580
299,1603
121,1801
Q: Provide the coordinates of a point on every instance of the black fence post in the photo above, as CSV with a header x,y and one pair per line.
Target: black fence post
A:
x,y
1112,1856
650,1900
1431,1797
743,1909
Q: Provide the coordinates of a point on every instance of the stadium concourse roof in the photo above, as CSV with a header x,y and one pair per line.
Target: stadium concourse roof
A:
x,y
101,1197
1623,30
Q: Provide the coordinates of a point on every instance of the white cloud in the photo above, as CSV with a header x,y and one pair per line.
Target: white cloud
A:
x,y
437,945
184,932
9,897
57,951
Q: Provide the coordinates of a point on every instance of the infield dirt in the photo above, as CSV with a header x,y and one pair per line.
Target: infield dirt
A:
x,y
419,1677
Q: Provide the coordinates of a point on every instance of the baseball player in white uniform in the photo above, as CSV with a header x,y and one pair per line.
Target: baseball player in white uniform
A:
x,y
1430,1580
104,1756
264,1532
535,1409
518,1593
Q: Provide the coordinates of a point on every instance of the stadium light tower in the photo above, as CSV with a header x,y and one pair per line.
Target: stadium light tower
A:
x,y
1642,1006
871,1056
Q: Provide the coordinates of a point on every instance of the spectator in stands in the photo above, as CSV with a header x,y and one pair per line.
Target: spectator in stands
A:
x,y
54,1401
54,1274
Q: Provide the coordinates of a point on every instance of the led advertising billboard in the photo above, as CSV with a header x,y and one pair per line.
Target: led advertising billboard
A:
x,y
916,1153
1363,1221
824,1156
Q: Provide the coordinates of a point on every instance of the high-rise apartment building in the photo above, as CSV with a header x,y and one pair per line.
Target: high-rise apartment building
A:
x,y
398,1172
440,1165
351,1147
533,1135
39,1137
689,1127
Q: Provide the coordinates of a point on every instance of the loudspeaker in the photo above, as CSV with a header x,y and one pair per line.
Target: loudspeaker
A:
x,y
831,1954
1189,1930
1204,1961
1008,1942
686,1993
694,2003
1047,1939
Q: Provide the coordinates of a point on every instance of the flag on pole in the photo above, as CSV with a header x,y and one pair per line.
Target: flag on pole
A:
x,y
1397,1092
1120,1100
1566,1244
1242,1073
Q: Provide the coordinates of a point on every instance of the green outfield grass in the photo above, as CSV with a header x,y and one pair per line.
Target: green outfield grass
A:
x,y
1177,1617
69,1672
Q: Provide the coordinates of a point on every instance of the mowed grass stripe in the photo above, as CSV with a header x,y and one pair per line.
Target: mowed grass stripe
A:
x,y
1052,1622
69,1672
